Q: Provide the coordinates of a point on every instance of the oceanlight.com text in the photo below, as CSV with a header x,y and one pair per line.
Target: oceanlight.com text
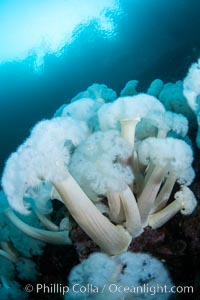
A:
x,y
58,288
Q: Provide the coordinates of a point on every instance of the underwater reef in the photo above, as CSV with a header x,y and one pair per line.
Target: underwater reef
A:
x,y
101,200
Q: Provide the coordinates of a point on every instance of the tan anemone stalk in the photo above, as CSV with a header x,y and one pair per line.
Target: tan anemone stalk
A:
x,y
124,209
131,211
116,210
112,239
167,160
133,220
185,202
148,195
59,237
184,176
164,194
128,130
46,221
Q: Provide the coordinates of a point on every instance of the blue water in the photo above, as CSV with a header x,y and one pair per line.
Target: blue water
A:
x,y
153,39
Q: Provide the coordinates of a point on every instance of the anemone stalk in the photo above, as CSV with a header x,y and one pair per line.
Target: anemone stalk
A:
x,y
111,239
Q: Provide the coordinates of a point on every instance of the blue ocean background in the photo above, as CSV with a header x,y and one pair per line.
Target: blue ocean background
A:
x,y
153,39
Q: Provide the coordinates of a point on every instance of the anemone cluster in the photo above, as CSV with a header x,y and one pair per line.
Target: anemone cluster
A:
x,y
112,162
125,276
